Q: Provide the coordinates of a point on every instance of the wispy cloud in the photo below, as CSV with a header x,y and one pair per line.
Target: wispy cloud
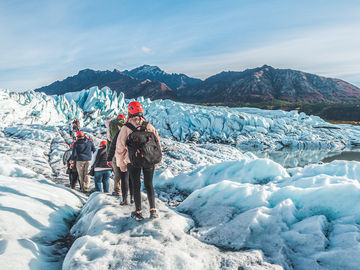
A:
x,y
329,52
146,50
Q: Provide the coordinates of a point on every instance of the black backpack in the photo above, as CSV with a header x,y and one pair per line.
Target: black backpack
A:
x,y
143,147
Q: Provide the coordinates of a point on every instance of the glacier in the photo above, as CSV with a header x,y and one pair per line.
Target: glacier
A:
x,y
245,128
221,206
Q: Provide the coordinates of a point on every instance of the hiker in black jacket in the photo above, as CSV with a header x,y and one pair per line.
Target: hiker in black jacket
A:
x,y
73,174
126,182
102,171
82,154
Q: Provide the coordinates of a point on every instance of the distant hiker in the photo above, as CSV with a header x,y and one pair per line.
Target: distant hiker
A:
x,y
114,126
102,171
138,148
126,182
82,154
75,127
76,123
72,172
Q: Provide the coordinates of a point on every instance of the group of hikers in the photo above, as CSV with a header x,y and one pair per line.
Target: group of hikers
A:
x,y
132,145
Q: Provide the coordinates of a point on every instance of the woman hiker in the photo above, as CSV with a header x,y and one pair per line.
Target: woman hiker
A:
x,y
102,171
138,149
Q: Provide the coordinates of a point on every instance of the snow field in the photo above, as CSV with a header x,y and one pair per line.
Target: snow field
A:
x,y
34,215
307,221
300,218
245,170
109,238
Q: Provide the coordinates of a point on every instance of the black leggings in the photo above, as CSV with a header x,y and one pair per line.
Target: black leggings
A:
x,y
126,183
148,178
73,177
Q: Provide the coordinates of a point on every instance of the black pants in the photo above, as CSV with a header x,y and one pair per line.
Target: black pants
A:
x,y
73,177
126,184
148,178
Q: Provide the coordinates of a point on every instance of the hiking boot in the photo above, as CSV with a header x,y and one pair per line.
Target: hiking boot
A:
x,y
124,203
153,214
137,216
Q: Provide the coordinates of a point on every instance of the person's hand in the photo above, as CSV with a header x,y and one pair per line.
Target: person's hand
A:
x,y
109,163
71,165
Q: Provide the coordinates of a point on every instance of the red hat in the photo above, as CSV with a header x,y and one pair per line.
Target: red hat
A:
x,y
135,108
80,134
102,143
121,116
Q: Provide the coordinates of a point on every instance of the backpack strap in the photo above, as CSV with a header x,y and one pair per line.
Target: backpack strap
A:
x,y
140,128
131,126
143,126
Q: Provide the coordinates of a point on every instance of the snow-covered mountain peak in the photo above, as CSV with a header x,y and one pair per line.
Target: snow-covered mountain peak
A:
x,y
147,69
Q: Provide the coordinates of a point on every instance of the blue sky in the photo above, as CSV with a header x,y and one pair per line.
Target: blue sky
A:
x,y
44,41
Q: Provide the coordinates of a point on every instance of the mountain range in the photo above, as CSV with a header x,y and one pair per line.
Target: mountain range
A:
x,y
252,85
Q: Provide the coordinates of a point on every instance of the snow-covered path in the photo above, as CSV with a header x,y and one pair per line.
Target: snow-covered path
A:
x,y
36,213
33,153
108,238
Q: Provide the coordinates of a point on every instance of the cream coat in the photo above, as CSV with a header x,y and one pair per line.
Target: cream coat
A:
x,y
121,152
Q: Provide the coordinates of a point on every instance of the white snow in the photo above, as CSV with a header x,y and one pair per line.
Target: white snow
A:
x,y
109,238
237,211
245,128
34,215
246,170
308,220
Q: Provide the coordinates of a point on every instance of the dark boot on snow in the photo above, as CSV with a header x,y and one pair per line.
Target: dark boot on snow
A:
x,y
125,202
153,214
137,216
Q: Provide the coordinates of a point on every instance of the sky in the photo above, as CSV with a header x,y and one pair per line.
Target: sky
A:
x,y
44,41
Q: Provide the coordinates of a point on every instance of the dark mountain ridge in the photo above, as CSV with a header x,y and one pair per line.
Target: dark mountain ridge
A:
x,y
267,83
115,79
262,84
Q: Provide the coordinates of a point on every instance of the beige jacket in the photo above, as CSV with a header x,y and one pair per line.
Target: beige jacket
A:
x,y
121,152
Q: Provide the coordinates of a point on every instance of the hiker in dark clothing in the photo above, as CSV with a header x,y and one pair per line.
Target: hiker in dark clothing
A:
x,y
126,182
73,174
133,159
102,171
74,128
82,154
113,126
